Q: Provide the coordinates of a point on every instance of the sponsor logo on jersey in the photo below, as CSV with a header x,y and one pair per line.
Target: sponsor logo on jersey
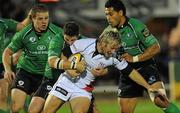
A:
x,y
146,32
151,79
119,92
101,64
48,87
130,35
41,47
61,90
21,83
123,44
32,39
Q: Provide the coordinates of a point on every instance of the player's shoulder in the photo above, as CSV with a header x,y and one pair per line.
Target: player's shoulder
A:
x,y
54,28
26,30
86,41
135,22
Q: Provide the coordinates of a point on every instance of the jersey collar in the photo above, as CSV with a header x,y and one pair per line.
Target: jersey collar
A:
x,y
125,23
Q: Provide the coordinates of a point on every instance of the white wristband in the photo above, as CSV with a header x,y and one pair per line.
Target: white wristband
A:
x,y
135,58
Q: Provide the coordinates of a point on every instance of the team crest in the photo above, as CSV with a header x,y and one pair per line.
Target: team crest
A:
x,y
32,39
146,32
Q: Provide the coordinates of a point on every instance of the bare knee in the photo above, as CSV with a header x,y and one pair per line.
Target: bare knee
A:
x,y
16,108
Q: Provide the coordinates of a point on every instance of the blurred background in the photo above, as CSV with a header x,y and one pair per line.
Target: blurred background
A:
x,y
161,17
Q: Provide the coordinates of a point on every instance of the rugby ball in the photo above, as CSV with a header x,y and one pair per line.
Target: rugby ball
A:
x,y
74,58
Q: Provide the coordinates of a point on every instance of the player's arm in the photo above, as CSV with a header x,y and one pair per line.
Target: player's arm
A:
x,y
149,53
24,23
127,70
55,50
149,42
99,71
135,76
9,74
13,47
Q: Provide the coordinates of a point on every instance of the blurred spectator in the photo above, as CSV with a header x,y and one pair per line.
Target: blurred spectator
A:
x,y
174,42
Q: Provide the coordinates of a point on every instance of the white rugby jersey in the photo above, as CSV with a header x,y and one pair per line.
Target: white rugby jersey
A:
x,y
87,47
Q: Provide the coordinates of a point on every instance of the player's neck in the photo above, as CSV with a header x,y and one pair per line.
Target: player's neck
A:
x,y
122,21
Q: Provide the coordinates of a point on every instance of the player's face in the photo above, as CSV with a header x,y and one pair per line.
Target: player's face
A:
x,y
70,39
112,16
110,48
41,21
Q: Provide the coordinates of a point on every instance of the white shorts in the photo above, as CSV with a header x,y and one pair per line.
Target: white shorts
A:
x,y
66,90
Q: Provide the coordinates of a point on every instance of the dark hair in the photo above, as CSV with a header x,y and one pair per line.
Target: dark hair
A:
x,y
38,8
71,29
117,5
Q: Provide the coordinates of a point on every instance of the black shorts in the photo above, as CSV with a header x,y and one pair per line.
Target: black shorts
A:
x,y
27,82
130,89
45,87
1,71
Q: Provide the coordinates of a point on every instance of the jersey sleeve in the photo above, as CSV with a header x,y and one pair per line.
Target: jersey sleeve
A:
x,y
120,64
144,35
11,24
123,66
56,46
78,46
17,42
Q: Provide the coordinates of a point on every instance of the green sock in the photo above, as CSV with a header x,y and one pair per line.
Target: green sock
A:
x,y
2,111
172,108
28,100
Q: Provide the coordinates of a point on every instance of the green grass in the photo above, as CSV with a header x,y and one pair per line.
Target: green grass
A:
x,y
110,106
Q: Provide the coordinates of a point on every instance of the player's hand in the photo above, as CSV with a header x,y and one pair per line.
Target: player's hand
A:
x,y
127,57
9,76
80,66
160,99
73,73
99,71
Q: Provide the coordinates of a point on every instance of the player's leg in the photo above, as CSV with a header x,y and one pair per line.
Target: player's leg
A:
x,y
127,96
18,99
52,104
127,104
80,104
3,90
21,87
38,100
93,107
57,96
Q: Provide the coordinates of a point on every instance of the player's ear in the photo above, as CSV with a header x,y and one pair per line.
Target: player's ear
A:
x,y
121,12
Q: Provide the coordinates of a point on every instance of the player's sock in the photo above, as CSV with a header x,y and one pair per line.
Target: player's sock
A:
x,y
27,102
172,108
3,111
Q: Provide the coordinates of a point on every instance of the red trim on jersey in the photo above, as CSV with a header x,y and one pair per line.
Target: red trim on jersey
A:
x,y
89,88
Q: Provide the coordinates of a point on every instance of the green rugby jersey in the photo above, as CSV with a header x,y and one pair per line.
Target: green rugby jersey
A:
x,y
6,25
35,47
135,38
55,48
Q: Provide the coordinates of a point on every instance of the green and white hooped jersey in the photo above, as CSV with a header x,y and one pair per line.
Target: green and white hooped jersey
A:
x,y
35,47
